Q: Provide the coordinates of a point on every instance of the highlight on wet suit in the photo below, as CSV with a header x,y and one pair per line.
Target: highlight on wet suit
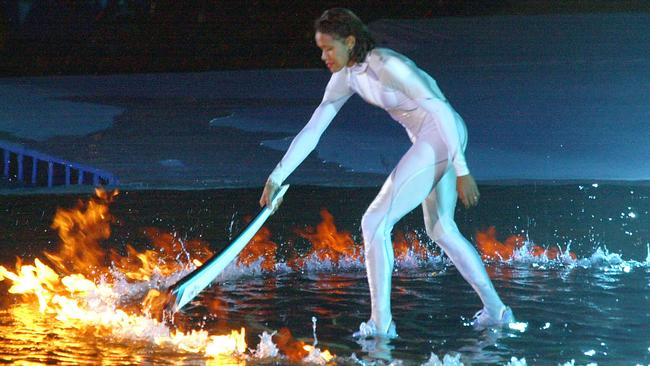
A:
x,y
187,288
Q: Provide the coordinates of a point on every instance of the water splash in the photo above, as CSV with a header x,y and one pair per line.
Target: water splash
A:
x,y
313,320
447,360
266,349
573,363
600,259
516,362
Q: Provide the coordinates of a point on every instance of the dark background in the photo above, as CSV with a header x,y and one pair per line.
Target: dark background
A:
x,y
58,37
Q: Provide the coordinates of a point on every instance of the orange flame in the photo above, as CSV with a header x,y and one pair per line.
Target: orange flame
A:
x,y
170,255
409,244
38,280
75,287
81,300
296,350
292,348
81,231
326,355
491,248
328,243
260,246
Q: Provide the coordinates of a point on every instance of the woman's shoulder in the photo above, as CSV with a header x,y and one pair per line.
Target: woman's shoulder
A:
x,y
379,58
382,54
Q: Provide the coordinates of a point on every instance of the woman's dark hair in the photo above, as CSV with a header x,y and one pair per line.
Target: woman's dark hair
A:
x,y
341,23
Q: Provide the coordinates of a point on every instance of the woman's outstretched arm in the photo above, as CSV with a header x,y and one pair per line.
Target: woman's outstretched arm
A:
x,y
306,140
336,94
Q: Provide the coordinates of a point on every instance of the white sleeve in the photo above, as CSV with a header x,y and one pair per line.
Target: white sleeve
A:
x,y
405,76
336,94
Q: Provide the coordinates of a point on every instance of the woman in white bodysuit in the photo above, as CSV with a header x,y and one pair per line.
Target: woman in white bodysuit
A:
x,y
433,172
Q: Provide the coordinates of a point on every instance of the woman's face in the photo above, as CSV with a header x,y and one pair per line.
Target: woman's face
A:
x,y
335,52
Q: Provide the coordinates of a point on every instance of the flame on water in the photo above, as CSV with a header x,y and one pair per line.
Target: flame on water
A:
x,y
169,256
409,246
77,283
199,341
38,279
77,288
294,349
235,342
491,248
326,355
81,231
262,247
328,243
335,246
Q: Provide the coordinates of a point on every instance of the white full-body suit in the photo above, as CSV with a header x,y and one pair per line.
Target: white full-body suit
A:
x,y
426,174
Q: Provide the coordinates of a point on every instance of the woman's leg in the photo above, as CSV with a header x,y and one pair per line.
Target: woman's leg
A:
x,y
439,208
406,187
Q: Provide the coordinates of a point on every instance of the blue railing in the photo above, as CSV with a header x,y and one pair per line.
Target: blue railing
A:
x,y
16,158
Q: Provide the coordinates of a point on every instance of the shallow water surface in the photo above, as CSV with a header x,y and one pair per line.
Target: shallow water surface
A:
x,y
593,307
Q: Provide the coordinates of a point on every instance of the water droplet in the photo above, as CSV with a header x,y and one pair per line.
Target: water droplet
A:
x,y
626,269
518,326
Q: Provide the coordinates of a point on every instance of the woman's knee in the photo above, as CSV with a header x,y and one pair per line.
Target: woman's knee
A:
x,y
373,227
442,227
369,222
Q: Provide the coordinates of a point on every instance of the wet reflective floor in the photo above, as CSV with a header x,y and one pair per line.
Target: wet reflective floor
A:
x,y
576,274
